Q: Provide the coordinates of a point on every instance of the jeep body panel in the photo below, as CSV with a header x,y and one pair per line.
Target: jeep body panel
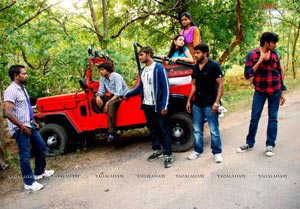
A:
x,y
71,116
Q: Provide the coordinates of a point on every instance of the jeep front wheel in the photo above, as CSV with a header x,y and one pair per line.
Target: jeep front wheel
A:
x,y
55,137
181,128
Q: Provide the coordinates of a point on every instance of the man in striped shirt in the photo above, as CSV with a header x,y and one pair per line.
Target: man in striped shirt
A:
x,y
22,127
263,65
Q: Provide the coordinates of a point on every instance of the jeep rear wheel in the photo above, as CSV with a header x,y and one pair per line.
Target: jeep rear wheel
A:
x,y
181,128
56,139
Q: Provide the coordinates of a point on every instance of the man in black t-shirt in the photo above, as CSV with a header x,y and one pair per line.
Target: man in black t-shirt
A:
x,y
207,89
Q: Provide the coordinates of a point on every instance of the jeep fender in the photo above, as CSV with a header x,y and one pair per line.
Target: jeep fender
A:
x,y
59,119
177,103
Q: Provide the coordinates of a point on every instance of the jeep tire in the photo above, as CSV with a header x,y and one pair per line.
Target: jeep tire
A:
x,y
56,139
181,128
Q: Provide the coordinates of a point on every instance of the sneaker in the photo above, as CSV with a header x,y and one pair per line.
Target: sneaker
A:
x,y
47,173
168,161
218,158
195,155
35,186
155,155
244,148
269,151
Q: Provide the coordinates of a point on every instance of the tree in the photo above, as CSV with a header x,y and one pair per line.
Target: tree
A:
x,y
239,33
289,16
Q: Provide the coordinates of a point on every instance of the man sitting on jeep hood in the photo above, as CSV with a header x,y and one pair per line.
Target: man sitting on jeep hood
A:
x,y
108,97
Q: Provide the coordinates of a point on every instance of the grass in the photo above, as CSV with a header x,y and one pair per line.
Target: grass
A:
x,y
238,91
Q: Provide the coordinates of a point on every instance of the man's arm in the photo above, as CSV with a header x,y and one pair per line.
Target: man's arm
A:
x,y
105,109
192,93
166,89
220,82
9,112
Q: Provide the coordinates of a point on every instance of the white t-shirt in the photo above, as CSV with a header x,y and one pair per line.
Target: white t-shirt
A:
x,y
148,85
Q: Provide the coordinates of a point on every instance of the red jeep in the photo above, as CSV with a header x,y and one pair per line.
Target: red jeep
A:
x,y
74,116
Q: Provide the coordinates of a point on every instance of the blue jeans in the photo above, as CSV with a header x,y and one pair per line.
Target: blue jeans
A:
x,y
199,115
159,130
39,151
259,100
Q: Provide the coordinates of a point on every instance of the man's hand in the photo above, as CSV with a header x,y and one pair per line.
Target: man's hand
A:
x,y
282,99
264,56
164,112
215,109
188,107
36,125
26,130
99,101
105,109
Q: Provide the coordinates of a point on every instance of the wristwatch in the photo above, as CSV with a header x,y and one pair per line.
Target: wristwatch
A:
x,y
216,104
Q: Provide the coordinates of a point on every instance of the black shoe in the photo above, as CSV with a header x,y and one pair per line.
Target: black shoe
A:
x,y
168,161
244,148
155,155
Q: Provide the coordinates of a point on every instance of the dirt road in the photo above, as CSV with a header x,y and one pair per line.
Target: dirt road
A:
x,y
120,177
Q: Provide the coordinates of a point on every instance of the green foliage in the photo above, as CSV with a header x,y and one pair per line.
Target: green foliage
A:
x,y
52,41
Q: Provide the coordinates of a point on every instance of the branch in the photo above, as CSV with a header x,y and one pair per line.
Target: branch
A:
x,y
26,61
43,63
239,35
161,3
143,17
41,10
8,6
62,25
100,37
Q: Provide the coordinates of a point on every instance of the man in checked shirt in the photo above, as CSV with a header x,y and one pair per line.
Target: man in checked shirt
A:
x,y
263,65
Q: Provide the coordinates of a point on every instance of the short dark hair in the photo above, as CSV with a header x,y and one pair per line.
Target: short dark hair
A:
x,y
15,69
109,66
268,37
203,47
147,50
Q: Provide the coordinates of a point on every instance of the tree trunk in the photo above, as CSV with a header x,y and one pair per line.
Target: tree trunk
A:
x,y
2,143
104,16
287,60
296,36
239,35
95,23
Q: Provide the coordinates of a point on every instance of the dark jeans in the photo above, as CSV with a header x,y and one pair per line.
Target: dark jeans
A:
x,y
159,130
39,150
199,115
259,100
113,106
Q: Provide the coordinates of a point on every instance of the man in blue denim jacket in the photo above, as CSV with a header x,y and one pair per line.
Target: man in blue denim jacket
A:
x,y
154,90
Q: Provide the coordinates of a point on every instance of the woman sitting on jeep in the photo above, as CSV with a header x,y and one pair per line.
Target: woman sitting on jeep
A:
x,y
178,51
